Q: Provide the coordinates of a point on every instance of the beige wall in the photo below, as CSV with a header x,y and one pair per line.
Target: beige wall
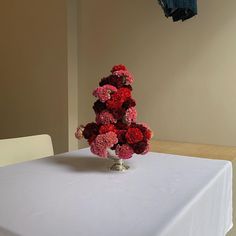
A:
x,y
33,70
72,62
185,72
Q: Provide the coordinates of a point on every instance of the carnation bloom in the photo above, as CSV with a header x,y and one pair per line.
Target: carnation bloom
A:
x,y
124,73
102,152
118,67
147,149
105,117
106,128
134,135
125,93
102,142
120,125
145,130
121,136
79,132
115,102
99,106
113,80
103,93
118,98
130,115
140,147
130,102
90,129
91,139
124,151
119,113
148,132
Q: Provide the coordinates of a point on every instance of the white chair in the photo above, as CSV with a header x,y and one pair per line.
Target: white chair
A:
x,y
16,150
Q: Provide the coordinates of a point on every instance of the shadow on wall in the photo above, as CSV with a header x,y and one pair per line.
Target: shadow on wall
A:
x,y
183,70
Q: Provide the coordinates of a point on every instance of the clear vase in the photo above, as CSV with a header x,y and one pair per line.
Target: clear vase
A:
x,y
119,164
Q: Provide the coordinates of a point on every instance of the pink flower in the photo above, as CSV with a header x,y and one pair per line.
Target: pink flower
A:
x,y
103,93
124,73
102,152
130,115
124,151
102,142
105,117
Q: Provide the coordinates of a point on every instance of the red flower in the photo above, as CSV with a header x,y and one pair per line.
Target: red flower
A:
x,y
134,135
106,128
118,67
115,102
125,93
148,134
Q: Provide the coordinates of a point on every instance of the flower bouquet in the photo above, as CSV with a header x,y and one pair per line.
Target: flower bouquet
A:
x,y
115,127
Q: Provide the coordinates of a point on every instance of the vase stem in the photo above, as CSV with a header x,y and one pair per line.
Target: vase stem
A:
x,y
119,165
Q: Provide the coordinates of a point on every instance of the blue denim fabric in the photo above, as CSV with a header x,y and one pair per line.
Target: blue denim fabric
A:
x,y
179,9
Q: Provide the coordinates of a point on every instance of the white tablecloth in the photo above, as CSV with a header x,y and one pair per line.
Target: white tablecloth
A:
x,y
74,194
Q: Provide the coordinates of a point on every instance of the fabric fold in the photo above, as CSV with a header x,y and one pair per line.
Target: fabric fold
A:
x,y
179,9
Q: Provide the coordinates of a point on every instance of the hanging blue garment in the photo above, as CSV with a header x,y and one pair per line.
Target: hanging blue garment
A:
x,y
179,9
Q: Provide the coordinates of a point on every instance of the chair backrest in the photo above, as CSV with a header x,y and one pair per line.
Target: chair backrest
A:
x,y
16,150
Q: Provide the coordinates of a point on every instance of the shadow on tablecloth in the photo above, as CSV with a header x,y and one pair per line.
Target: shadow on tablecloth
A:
x,y
82,164
5,232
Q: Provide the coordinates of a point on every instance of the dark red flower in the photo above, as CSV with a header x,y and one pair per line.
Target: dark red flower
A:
x,y
118,114
130,102
140,147
90,129
118,67
134,135
138,126
107,128
113,80
91,139
121,136
128,87
114,146
99,106
121,126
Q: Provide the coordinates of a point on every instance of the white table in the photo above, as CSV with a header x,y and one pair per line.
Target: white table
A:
x,y
74,194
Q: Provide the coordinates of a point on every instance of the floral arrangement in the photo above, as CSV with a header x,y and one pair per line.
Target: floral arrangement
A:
x,y
115,125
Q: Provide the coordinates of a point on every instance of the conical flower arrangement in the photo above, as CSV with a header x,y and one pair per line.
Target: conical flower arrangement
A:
x,y
115,126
